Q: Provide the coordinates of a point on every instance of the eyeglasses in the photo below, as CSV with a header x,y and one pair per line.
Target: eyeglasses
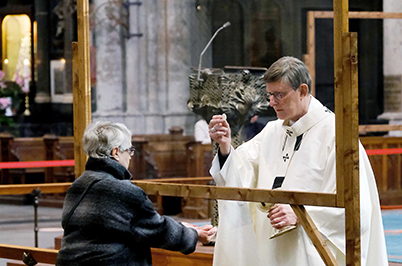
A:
x,y
278,95
130,150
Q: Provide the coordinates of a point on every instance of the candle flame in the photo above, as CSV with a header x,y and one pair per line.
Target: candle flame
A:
x,y
6,61
26,62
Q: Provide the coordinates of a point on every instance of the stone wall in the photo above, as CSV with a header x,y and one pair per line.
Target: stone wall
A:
x,y
392,66
143,81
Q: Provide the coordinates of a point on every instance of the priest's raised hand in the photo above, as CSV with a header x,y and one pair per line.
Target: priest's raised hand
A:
x,y
219,131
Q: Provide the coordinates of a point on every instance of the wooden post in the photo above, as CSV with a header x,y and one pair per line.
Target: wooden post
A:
x,y
341,24
347,128
81,85
311,48
351,149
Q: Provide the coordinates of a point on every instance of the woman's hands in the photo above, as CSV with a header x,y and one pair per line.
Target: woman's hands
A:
x,y
206,233
282,215
219,130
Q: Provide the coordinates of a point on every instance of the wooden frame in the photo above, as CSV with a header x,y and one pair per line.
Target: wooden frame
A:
x,y
347,155
309,58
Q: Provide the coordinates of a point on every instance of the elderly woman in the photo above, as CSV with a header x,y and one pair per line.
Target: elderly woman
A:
x,y
107,220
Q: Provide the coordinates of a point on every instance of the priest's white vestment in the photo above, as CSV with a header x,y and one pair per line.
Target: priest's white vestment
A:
x,y
304,154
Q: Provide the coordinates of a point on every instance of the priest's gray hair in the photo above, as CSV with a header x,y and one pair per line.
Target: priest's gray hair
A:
x,y
102,136
290,70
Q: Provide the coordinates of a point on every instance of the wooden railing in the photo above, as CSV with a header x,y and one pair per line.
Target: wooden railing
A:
x,y
173,155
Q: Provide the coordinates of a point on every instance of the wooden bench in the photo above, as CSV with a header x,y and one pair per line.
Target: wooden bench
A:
x,y
161,156
59,148
22,149
165,152
199,158
48,147
387,168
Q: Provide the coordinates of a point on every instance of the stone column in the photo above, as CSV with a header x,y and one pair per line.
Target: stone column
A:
x,y
152,96
392,67
159,63
109,61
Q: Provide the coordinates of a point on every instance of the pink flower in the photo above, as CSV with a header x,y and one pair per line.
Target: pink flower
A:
x,y
19,80
5,102
2,74
3,85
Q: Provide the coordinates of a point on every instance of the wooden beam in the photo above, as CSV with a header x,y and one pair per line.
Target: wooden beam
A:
x,y
39,254
239,194
197,191
26,189
81,84
314,235
180,180
359,14
363,129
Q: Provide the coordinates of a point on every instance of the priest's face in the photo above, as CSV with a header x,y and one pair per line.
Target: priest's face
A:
x,y
286,101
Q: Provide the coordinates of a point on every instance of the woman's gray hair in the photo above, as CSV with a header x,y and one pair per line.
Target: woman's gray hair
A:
x,y
290,70
102,136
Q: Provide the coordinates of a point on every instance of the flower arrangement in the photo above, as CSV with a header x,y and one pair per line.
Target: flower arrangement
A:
x,y
10,99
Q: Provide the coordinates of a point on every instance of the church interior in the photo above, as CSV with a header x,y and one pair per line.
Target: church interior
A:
x,y
138,65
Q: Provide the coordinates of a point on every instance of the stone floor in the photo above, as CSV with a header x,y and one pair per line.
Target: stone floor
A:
x,y
17,226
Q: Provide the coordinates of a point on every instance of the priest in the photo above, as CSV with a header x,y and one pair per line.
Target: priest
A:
x,y
295,152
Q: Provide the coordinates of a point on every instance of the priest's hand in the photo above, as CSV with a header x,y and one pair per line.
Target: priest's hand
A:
x,y
282,215
219,130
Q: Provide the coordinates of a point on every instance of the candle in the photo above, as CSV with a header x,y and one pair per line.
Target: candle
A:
x,y
26,75
26,68
6,69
